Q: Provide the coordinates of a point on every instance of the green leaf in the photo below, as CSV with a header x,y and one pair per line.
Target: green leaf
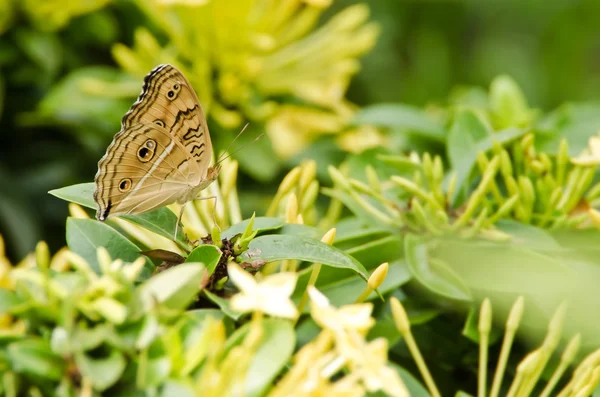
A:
x,y
352,231
209,255
43,48
343,290
261,224
82,194
102,372
69,102
273,353
508,105
295,229
528,236
84,338
161,221
401,116
34,357
202,314
223,305
415,388
576,122
8,300
503,271
437,277
84,236
272,248
175,287
373,253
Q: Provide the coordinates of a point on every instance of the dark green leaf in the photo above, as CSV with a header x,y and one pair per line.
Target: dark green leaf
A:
x,y
223,305
351,229
296,229
209,255
84,236
272,248
175,287
161,221
261,224
377,251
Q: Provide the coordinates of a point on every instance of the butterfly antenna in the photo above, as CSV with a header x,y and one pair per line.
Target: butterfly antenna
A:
x,y
231,154
232,142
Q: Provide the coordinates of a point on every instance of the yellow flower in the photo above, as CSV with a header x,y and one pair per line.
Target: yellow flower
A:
x,y
262,61
356,317
375,374
270,295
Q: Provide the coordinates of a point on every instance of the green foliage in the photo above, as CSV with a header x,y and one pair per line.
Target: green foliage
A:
x,y
455,196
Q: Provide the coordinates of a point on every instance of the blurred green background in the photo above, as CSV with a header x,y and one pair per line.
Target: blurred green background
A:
x,y
52,135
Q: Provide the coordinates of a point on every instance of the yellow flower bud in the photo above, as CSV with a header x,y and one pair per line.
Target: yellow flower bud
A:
x,y
400,317
329,236
378,276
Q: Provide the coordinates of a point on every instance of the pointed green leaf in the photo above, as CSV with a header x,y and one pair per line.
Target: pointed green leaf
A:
x,y
175,287
84,236
160,221
261,224
439,278
209,255
223,305
272,248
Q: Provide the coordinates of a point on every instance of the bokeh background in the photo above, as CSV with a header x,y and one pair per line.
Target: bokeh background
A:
x,y
66,79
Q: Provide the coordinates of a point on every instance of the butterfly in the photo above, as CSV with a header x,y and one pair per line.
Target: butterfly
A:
x,y
162,153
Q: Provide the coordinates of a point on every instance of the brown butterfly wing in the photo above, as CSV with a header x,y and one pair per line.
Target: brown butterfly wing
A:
x,y
167,112
142,170
169,100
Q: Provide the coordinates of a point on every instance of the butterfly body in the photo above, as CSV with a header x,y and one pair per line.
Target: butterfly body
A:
x,y
162,153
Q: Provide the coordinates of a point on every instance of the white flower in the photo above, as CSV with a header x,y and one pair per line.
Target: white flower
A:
x,y
270,296
350,317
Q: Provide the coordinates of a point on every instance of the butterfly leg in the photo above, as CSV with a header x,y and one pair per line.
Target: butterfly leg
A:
x,y
214,214
178,221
